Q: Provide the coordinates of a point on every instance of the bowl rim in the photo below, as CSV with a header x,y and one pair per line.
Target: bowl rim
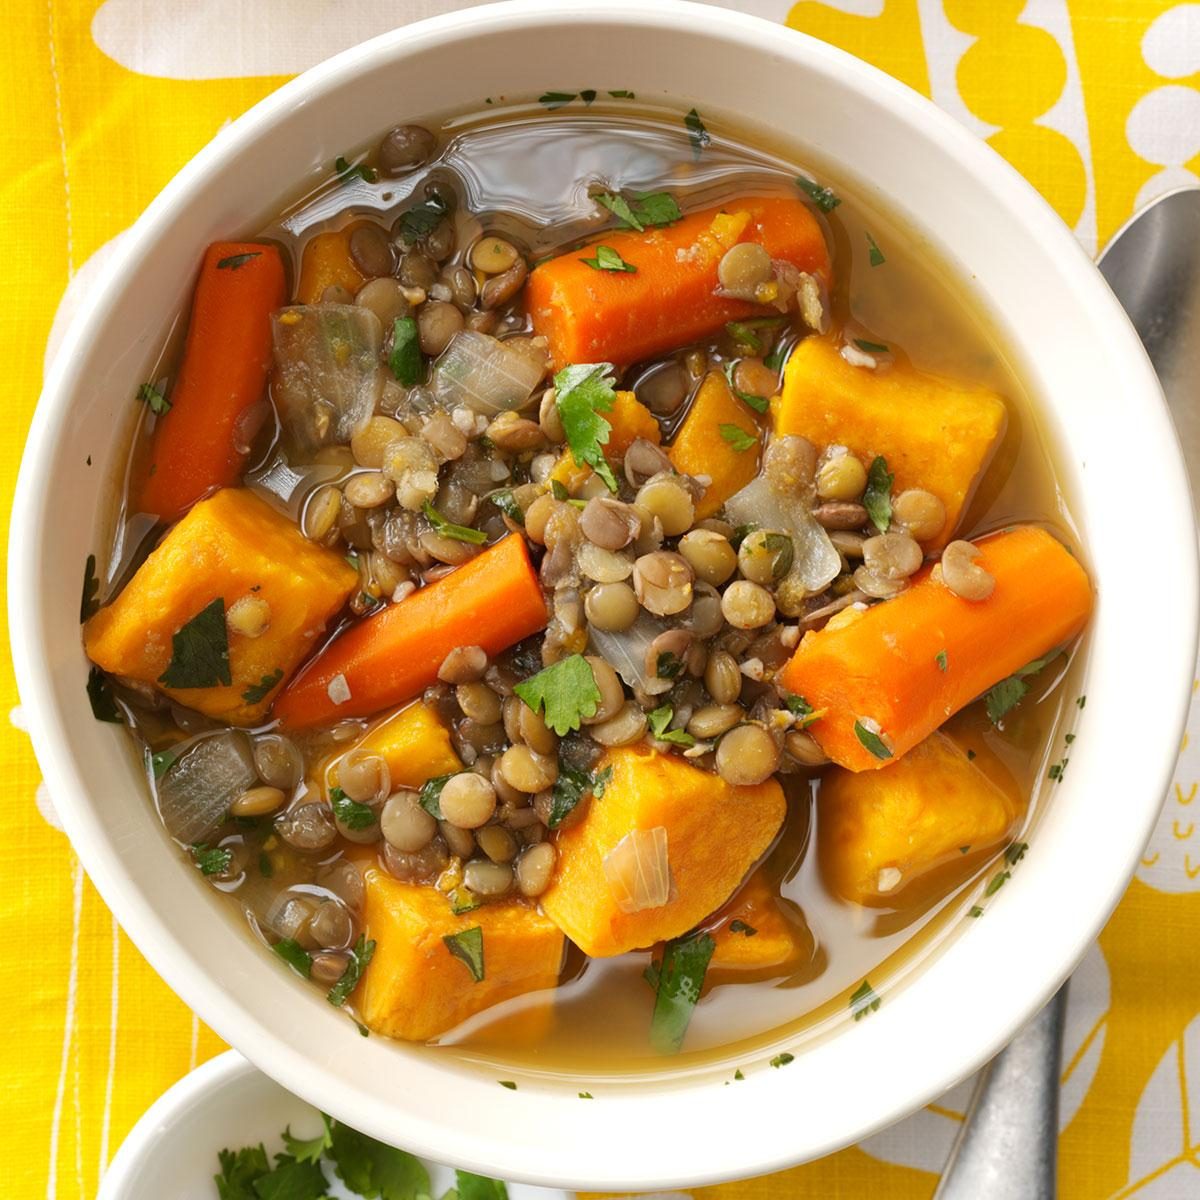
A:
x,y
1048,961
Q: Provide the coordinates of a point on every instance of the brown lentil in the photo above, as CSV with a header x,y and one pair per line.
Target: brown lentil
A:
x,y
611,607
534,869
405,824
841,478
709,554
468,800
747,605
609,523
625,726
437,323
364,776
747,755
722,677
919,513
663,583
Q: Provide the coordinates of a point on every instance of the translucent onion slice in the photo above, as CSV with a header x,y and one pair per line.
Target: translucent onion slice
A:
x,y
625,652
485,374
195,793
637,870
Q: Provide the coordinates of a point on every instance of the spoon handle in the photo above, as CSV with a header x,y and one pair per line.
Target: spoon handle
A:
x,y
1008,1146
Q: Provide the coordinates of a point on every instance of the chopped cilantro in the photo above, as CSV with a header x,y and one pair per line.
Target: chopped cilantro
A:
x,y
871,741
430,797
360,955
697,134
462,900
875,255
996,882
976,911
607,259
1014,852
659,719
154,399
586,1096
737,925
621,209
258,692
99,693
309,1149
760,404
507,1083
863,1000
943,663
369,1168
877,499
776,358
507,504
680,978
582,392
564,693
459,533
294,955
200,651
467,947
570,788
737,437
240,1170
558,490
347,172
88,601
553,100
824,198
479,1187
738,1075
782,1060
237,260
871,347
1068,738
622,94
1081,701
1008,693
668,665
800,708
406,360
645,209
422,219
587,95
349,812
1057,770
212,860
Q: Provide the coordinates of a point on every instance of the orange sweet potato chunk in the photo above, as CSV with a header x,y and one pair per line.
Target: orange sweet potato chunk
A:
x,y
700,448
894,836
327,262
758,935
934,434
231,547
415,743
414,988
715,834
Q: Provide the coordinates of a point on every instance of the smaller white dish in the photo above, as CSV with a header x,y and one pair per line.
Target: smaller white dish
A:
x,y
172,1150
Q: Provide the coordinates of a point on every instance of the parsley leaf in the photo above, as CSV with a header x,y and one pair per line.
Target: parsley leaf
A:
x,y
89,603
212,860
570,788
349,812
294,955
608,259
737,925
479,1187
460,533
99,693
996,882
621,209
824,198
258,692
154,399
507,504
406,360
645,209
291,1180
802,710
346,173
1014,852
877,499
680,977
863,1000
697,134
553,100
467,947
875,255
760,404
564,693
505,1083
422,219
582,392
360,955
659,719
237,260
737,437
1004,696
943,662
871,741
200,651
239,1172
430,797
369,1168
782,1060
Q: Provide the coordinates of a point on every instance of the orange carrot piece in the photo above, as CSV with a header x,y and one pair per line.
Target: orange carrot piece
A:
x,y
622,317
197,444
885,667
493,601
326,262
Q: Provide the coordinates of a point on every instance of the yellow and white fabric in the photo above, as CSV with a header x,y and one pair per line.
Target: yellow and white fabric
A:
x,y
101,101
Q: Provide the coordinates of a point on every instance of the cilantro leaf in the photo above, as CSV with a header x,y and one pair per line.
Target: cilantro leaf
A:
x,y
656,208
422,219
800,708
406,360
467,947
88,601
737,437
608,259
360,955
564,693
369,1168
697,134
996,882
943,662
760,404
257,692
737,925
570,788
212,860
237,260
239,1171
680,978
292,1180
99,693
621,209
430,796
349,812
154,399
582,392
295,956
658,721
460,533
863,1000
877,499
782,1060
346,172
825,199
200,651
871,741
1004,696
1014,852
875,255
553,100
479,1187
507,504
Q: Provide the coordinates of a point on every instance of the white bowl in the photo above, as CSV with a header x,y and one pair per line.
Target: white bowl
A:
x,y
1101,404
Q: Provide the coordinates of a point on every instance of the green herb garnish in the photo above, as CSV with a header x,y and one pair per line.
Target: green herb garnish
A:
x,y
89,603
467,947
430,796
1004,696
406,360
871,347
782,1060
99,693
586,1096
824,198
309,1149
943,663
558,490
996,882
871,741
348,172
570,788
294,955
369,1168
422,219
459,533
507,504
760,404
349,812
256,693
607,259
360,956
645,209
200,651
212,860
564,693
507,1083
877,499
803,711
1014,852
582,392
658,721
863,1000
240,1171
976,911
875,255
697,134
237,260
622,94
587,95
161,762
737,437
154,399
737,925
680,978
480,1187
776,358
553,100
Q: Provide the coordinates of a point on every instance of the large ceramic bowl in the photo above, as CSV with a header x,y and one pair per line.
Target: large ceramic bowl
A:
x,y
1117,456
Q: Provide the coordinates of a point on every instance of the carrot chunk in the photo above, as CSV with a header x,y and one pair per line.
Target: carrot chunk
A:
x,y
622,317
198,445
886,667
493,601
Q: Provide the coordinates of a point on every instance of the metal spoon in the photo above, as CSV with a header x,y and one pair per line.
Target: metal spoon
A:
x,y
1007,1148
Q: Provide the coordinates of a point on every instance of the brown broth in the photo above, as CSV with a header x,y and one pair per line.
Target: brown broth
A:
x,y
527,174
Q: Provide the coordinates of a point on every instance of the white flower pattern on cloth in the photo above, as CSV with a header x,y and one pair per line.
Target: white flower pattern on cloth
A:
x,y
1171,862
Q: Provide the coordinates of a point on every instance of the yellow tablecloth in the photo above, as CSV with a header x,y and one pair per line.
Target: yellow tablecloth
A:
x,y
1096,101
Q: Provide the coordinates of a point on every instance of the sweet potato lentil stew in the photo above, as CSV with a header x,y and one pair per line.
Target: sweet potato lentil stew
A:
x,y
587,587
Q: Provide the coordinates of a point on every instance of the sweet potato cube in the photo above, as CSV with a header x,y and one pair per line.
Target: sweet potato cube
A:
x,y
415,743
327,262
935,434
233,548
898,835
715,834
758,935
415,988
701,448
630,419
